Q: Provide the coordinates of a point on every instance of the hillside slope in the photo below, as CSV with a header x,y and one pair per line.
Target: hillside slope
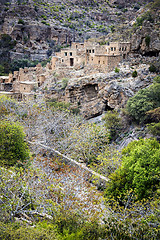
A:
x,y
35,29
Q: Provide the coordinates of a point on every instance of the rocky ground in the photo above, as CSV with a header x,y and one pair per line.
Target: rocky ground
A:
x,y
93,93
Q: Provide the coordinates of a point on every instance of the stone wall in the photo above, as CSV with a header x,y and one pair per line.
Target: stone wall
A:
x,y
97,179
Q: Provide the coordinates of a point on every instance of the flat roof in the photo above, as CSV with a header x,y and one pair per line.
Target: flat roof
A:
x,y
6,93
28,83
4,77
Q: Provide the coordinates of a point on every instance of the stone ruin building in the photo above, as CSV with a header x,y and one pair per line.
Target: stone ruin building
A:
x,y
21,84
100,58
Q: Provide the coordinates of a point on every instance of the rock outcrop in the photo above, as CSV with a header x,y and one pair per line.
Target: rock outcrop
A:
x,y
101,92
146,40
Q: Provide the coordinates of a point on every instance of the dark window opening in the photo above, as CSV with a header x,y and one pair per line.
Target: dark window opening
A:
x,y
93,51
111,48
89,51
70,53
65,54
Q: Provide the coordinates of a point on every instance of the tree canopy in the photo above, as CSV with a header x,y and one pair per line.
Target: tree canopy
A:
x,y
13,147
143,101
139,170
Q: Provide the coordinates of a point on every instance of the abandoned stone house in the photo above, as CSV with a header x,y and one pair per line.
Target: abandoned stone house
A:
x,y
21,83
106,57
100,58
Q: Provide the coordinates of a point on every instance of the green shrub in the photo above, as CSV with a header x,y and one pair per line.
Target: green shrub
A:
x,y
44,22
147,40
58,105
2,70
154,115
143,101
7,42
117,70
20,21
139,171
14,231
146,16
154,128
64,83
152,68
13,148
112,122
134,74
157,79
21,63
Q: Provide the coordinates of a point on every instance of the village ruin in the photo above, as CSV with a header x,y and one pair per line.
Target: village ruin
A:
x,y
101,58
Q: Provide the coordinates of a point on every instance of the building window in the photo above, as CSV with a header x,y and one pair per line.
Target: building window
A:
x,y
114,49
111,48
99,62
76,46
120,49
65,54
93,51
92,59
89,51
62,60
70,53
125,49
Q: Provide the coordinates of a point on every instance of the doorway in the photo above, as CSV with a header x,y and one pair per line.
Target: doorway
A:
x,y
71,62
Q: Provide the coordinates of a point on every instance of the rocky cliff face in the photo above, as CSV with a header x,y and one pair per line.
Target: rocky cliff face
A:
x,y
146,40
33,39
101,92
39,26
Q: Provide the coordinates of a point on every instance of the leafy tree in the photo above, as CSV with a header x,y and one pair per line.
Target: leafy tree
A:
x,y
143,101
157,79
13,147
154,115
139,173
154,128
87,141
112,123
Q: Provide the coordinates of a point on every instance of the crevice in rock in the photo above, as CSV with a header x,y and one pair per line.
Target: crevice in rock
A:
x,y
107,107
151,54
